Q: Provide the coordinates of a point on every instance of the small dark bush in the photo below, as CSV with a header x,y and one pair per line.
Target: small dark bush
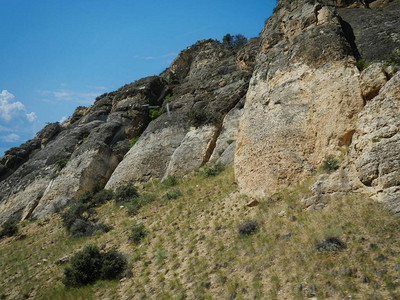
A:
x,y
170,195
9,228
75,211
171,180
114,263
361,65
89,265
154,113
330,164
125,193
248,228
213,170
138,233
331,244
84,268
102,197
86,197
85,228
135,204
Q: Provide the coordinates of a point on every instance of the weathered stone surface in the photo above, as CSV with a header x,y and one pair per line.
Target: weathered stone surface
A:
x,y
372,79
65,160
372,166
302,102
148,158
197,99
192,152
224,150
376,30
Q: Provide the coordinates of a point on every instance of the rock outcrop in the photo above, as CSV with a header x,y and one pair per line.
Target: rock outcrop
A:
x,y
276,109
302,102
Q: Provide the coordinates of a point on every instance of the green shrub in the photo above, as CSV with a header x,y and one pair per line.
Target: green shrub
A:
x,y
361,64
114,263
138,233
90,265
102,197
77,218
133,141
248,228
330,164
155,113
125,193
170,195
9,228
170,181
213,169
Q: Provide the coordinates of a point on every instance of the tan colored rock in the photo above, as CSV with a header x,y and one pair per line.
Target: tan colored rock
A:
x,y
301,106
372,79
325,15
148,158
373,164
192,152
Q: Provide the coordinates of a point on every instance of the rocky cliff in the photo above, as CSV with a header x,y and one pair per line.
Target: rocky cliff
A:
x,y
277,108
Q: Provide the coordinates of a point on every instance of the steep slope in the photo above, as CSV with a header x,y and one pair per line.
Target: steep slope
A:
x,y
180,113
307,101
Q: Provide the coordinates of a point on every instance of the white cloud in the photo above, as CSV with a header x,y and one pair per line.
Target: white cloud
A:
x,y
8,107
85,98
172,54
63,119
4,129
31,117
11,138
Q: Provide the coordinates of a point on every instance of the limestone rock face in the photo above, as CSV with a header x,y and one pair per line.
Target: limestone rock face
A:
x,y
224,150
372,165
302,102
372,80
79,155
205,83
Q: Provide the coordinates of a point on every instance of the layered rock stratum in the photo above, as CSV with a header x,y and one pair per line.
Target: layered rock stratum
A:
x,y
276,109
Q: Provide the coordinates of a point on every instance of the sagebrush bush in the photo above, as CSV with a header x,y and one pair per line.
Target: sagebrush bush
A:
x,y
248,228
138,233
102,197
170,195
213,169
77,219
9,228
330,164
170,181
90,265
125,192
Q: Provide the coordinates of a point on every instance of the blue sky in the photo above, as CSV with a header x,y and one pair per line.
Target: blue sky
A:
x,y
58,54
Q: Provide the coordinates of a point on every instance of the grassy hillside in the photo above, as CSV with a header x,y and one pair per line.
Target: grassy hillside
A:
x,y
193,248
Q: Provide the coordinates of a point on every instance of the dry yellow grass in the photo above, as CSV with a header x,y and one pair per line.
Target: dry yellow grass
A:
x,y
193,249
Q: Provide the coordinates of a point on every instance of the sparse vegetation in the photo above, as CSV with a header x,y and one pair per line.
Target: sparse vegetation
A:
x,y
90,265
174,194
213,169
248,228
155,113
193,244
9,228
79,217
171,180
330,164
133,141
138,233
125,193
234,41
361,64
